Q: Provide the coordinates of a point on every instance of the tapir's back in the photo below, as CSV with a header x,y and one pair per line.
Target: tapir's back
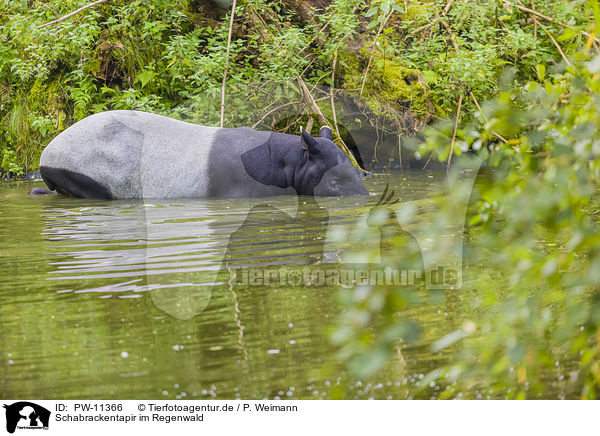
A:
x,y
129,154
132,154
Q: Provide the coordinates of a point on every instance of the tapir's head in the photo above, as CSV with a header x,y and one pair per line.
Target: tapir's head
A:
x,y
325,169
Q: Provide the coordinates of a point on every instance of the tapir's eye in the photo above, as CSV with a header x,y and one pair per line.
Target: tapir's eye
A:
x,y
334,183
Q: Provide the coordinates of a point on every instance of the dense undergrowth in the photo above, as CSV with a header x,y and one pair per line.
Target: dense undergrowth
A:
x,y
530,298
168,57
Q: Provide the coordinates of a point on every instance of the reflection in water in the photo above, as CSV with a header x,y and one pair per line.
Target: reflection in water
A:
x,y
393,239
133,299
252,235
176,251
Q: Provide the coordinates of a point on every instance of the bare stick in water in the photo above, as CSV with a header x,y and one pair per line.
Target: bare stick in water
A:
x,y
460,100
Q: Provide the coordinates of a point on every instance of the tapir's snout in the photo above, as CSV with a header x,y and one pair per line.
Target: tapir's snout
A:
x,y
358,189
341,181
361,189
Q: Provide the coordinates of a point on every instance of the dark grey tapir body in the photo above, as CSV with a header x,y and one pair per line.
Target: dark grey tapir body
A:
x,y
132,154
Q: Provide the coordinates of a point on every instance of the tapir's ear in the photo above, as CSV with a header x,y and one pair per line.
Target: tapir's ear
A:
x,y
326,133
308,142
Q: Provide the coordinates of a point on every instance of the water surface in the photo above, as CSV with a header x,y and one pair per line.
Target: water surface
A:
x,y
135,299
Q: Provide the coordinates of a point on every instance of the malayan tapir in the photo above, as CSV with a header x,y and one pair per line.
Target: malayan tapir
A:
x,y
132,154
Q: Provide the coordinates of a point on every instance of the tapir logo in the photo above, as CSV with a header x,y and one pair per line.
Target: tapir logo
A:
x,y
26,415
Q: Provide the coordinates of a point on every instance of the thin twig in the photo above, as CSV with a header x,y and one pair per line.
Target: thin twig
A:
x,y
308,66
485,118
547,18
431,23
310,123
376,140
383,21
400,150
447,8
322,29
273,110
317,82
227,62
534,28
263,27
452,36
427,163
335,124
310,41
58,20
311,101
315,107
49,7
455,130
554,41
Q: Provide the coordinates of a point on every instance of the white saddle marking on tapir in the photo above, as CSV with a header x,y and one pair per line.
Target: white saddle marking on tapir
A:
x,y
193,145
136,154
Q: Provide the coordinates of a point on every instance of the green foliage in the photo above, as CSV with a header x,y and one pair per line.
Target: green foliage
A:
x,y
390,87
468,48
551,312
164,57
531,327
61,73
9,164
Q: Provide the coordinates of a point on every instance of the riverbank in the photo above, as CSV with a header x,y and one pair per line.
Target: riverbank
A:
x,y
28,176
